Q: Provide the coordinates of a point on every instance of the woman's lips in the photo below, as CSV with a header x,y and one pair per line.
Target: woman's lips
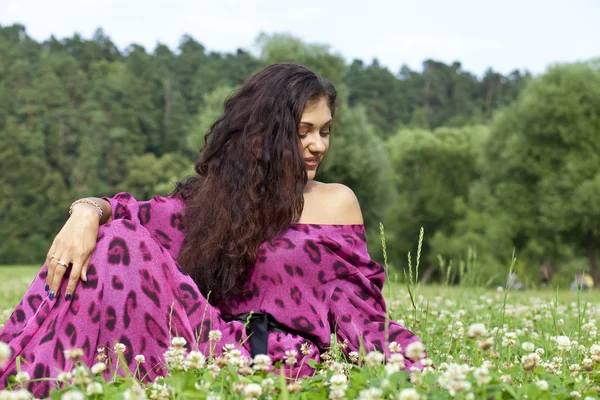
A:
x,y
311,163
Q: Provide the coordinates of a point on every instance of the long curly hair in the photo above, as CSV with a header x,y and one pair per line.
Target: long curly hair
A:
x,y
250,177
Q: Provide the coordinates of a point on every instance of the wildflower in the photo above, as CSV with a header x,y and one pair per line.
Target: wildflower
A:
x,y
73,354
337,368
290,357
262,362
120,348
4,353
305,349
476,330
542,385
140,359
22,377
294,387
215,335
136,392
506,379
415,351
371,394
454,379
64,376
160,391
540,352
252,390
374,358
72,395
528,346
482,376
595,352
268,384
353,355
213,396
574,368
178,341
588,364
563,343
228,347
509,339
409,394
485,344
397,360
529,361
20,394
338,382
337,394
575,394
195,360
98,368
94,388
395,347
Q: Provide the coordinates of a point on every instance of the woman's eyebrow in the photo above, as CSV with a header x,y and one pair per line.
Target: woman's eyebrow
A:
x,y
311,124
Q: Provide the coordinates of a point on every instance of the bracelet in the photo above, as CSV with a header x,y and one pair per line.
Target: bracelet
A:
x,y
86,201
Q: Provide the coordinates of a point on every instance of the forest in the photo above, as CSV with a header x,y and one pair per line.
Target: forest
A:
x,y
493,168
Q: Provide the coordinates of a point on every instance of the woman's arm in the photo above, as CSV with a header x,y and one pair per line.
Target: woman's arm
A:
x,y
86,210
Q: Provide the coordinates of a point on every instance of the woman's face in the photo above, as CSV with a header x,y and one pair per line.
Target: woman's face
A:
x,y
313,133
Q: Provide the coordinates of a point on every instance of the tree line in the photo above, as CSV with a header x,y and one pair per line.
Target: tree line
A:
x,y
486,165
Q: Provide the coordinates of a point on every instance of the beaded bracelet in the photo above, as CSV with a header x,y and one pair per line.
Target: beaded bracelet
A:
x,y
86,201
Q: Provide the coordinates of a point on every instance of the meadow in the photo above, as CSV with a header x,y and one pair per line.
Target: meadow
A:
x,y
481,344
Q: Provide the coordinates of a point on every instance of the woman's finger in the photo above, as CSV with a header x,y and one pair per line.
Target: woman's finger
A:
x,y
50,266
60,268
74,275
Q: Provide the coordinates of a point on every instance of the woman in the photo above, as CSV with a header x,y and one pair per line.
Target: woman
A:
x,y
279,255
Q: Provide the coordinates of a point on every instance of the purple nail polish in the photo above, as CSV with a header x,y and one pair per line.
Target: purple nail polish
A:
x,y
47,287
68,297
51,295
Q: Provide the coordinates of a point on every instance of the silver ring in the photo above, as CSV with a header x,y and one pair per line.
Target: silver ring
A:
x,y
64,264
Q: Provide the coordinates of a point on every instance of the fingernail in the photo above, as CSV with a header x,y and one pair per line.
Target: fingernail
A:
x,y
68,296
51,295
47,287
85,280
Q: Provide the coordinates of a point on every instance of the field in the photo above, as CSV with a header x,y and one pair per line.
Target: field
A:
x,y
483,344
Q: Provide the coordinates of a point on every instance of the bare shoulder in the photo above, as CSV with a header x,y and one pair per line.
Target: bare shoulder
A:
x,y
333,203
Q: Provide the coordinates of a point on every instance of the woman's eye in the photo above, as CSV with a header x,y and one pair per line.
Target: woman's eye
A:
x,y
324,134
302,135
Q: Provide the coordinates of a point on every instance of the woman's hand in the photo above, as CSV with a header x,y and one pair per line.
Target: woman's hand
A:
x,y
72,248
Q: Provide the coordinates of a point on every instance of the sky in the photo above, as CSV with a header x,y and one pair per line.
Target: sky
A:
x,y
504,35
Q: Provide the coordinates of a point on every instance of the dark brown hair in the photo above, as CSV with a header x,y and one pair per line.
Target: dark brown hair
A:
x,y
250,177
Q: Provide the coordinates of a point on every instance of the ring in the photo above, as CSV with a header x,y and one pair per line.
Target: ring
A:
x,y
64,264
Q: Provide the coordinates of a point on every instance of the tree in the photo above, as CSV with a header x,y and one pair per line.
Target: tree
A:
x,y
542,163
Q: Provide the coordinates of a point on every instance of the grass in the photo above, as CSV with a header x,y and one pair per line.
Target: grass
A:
x,y
484,343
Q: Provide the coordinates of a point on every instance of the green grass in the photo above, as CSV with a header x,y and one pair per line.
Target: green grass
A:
x,y
442,319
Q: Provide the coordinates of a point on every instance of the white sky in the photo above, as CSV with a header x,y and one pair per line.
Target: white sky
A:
x,y
506,35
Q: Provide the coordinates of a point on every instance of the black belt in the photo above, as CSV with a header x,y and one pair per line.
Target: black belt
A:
x,y
258,327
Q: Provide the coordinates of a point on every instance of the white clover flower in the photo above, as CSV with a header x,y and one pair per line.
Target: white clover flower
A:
x,y
575,394
140,359
354,356
371,394
252,390
22,377
338,382
20,394
73,354
290,357
394,347
563,343
529,361
542,385
588,364
528,346
397,359
595,352
540,352
509,339
64,376
268,384
98,368
470,396
306,349
374,358
178,341
215,335
213,396
482,376
476,331
391,368
94,388
73,395
409,394
262,362
415,351
120,348
5,353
